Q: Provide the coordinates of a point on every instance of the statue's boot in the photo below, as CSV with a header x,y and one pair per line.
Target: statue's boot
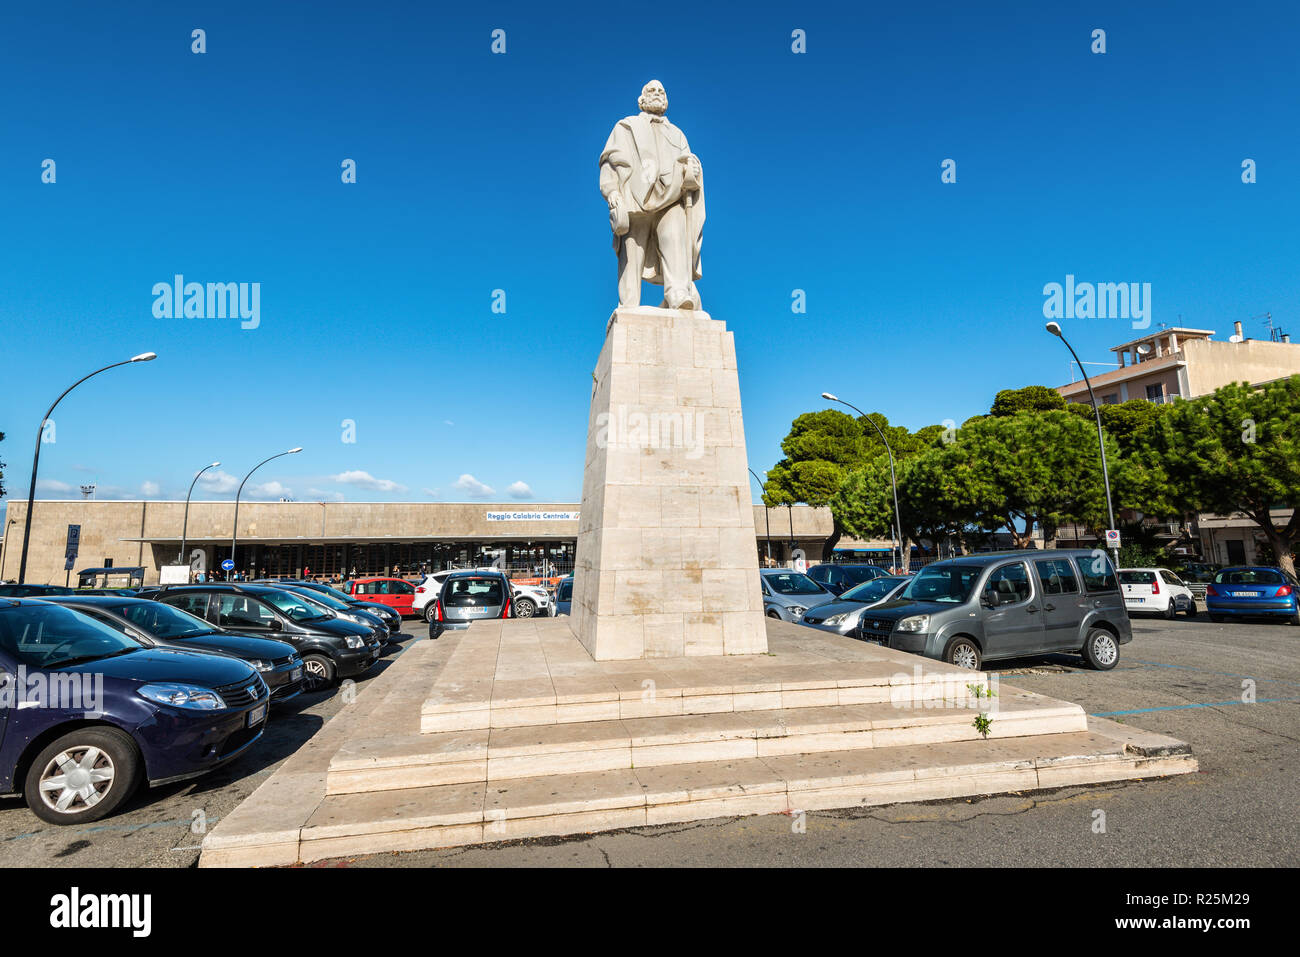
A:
x,y
679,298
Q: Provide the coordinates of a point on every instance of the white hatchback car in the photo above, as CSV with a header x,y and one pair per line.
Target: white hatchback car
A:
x,y
1156,591
529,600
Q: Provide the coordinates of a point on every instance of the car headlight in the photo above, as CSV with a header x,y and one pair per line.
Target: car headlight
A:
x,y
916,623
354,641
182,696
797,610
836,619
259,664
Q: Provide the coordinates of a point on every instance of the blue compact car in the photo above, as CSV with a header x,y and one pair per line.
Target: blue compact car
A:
x,y
87,713
1253,590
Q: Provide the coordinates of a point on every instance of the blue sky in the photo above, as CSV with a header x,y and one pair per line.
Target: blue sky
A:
x,y
477,172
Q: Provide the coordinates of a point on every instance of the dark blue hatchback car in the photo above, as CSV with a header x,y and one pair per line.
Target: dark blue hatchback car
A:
x,y
86,712
1251,590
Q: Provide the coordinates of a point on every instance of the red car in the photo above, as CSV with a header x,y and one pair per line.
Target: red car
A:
x,y
396,593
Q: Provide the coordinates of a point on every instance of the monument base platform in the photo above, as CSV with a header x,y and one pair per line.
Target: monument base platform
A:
x,y
512,730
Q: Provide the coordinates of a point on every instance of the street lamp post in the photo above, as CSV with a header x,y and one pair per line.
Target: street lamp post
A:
x,y
1055,329
767,517
234,532
31,489
185,524
893,480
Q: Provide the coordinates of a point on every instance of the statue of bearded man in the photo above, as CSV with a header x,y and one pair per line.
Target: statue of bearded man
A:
x,y
654,186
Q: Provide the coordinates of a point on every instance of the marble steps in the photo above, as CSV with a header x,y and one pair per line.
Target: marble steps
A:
x,y
485,811
388,761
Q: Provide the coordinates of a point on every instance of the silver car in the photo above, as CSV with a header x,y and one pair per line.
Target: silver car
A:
x,y
788,594
843,615
468,597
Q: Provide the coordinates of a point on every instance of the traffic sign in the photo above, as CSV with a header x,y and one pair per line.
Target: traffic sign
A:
x,y
1112,537
74,542
228,564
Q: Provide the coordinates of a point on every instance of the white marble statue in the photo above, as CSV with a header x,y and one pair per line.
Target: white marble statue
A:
x,y
654,186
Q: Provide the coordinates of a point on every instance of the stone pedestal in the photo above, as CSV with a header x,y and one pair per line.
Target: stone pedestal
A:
x,y
667,560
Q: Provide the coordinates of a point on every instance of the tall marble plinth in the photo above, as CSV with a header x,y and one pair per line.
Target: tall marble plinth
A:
x,y
667,559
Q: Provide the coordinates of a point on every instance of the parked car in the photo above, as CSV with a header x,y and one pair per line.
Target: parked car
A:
x,y
396,593
331,648
1199,572
991,606
96,712
788,594
842,615
1156,591
356,612
391,618
564,596
838,578
158,625
528,600
32,591
467,597
1251,590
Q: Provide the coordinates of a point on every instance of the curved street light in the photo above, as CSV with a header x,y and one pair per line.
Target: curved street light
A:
x,y
180,558
766,515
234,533
893,479
36,458
1055,329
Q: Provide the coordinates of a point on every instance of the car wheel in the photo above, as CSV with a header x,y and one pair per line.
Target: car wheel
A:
x,y
525,608
1101,649
1294,618
431,612
83,776
963,653
1191,609
318,672
773,613
1171,610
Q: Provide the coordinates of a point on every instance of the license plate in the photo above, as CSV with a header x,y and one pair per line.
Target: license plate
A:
x,y
1138,600
296,673
1244,594
257,715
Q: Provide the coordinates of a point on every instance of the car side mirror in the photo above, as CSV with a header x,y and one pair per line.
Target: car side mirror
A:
x,y
990,599
277,625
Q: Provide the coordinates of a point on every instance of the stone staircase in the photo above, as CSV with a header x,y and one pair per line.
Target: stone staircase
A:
x,y
510,730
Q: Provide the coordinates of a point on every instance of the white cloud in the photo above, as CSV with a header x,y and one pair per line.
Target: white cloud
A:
x,y
520,490
448,422
476,489
365,480
273,490
431,492
150,488
218,481
320,495
52,485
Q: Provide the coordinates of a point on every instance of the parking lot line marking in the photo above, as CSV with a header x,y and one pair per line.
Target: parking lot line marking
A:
x,y
1180,707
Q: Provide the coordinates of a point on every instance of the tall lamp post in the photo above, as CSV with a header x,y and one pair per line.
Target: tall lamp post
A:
x,y
767,518
234,532
893,479
185,525
31,490
1055,329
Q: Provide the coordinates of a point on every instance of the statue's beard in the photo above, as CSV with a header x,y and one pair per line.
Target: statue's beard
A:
x,y
658,105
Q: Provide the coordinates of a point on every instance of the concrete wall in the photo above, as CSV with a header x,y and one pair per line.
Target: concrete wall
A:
x,y
106,527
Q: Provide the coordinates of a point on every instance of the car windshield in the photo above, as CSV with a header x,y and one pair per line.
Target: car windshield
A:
x,y
47,636
947,583
792,583
1248,576
1137,578
332,592
862,573
164,621
296,607
473,591
873,590
329,601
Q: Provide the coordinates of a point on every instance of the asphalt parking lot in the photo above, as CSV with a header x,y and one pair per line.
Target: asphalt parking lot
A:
x,y
1185,678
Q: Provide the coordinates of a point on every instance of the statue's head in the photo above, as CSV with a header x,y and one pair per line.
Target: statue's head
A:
x,y
654,98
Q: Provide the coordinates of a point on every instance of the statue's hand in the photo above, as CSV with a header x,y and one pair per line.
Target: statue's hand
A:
x,y
694,172
613,200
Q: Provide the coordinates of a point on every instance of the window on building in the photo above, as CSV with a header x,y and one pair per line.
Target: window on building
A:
x,y
1156,393
1110,399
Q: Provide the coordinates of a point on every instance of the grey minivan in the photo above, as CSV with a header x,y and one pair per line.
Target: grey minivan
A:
x,y
989,606
470,596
